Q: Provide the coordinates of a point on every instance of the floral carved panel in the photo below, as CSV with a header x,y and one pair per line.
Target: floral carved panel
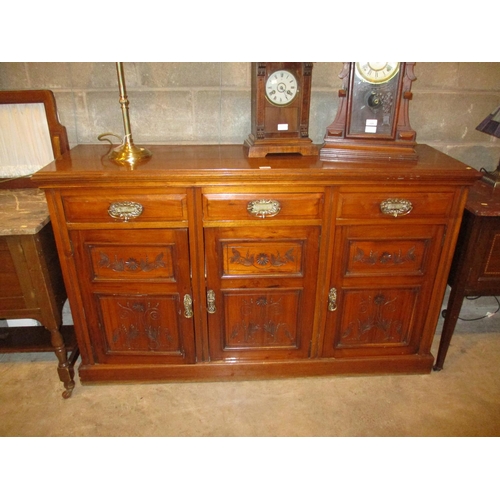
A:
x,y
262,258
261,320
139,324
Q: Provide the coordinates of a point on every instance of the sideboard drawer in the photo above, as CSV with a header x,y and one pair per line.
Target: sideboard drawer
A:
x,y
124,207
262,205
392,204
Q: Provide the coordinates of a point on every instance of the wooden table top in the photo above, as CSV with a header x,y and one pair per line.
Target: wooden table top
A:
x,y
22,211
484,200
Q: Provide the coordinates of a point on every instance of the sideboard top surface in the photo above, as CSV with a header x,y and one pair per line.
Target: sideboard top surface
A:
x,y
207,165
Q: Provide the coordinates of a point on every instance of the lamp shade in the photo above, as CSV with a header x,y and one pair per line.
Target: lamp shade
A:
x,y
491,124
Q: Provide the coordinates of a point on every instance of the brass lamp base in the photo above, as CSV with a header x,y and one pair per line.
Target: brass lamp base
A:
x,y
129,153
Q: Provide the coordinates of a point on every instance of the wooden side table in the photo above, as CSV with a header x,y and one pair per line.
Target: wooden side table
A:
x,y
475,269
31,284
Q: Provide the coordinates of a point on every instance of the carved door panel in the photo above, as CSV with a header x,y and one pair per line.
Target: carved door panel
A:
x,y
261,291
136,291
380,289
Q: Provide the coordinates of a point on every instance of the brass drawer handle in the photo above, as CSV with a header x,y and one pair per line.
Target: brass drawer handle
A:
x,y
264,208
188,306
211,302
396,206
125,210
332,299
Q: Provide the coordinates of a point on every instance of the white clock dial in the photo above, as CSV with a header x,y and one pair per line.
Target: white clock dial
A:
x,y
377,72
281,87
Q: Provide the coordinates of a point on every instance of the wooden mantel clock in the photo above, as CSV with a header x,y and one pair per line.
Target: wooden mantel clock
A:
x,y
281,95
372,119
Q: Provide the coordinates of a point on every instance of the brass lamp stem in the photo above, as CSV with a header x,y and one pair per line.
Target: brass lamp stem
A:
x,y
123,99
127,152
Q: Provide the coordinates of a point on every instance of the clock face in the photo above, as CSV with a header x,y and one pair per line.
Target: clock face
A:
x,y
377,72
281,88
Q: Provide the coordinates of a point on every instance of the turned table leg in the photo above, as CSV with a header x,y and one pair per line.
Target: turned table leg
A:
x,y
65,368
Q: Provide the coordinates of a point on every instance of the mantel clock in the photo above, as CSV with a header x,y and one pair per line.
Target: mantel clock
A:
x,y
372,119
281,96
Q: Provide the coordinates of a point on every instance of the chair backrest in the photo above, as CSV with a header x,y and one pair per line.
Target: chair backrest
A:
x,y
30,135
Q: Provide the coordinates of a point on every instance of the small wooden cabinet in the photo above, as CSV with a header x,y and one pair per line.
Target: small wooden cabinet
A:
x,y
475,269
201,263
31,282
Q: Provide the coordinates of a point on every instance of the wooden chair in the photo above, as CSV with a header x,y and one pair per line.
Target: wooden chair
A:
x,y
31,283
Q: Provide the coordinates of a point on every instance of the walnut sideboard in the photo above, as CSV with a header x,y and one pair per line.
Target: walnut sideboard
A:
x,y
203,264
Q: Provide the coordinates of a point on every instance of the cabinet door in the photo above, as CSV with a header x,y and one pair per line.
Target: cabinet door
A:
x,y
261,291
380,287
134,284
484,271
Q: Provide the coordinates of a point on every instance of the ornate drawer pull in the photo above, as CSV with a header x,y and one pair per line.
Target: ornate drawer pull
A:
x,y
211,302
125,210
332,299
264,208
396,206
188,306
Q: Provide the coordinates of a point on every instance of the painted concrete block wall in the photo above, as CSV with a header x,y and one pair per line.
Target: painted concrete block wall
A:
x,y
209,103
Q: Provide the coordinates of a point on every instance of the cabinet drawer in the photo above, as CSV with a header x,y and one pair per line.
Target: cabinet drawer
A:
x,y
132,207
262,205
391,204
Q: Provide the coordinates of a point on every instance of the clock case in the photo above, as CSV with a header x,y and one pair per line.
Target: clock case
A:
x,y
340,145
265,138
